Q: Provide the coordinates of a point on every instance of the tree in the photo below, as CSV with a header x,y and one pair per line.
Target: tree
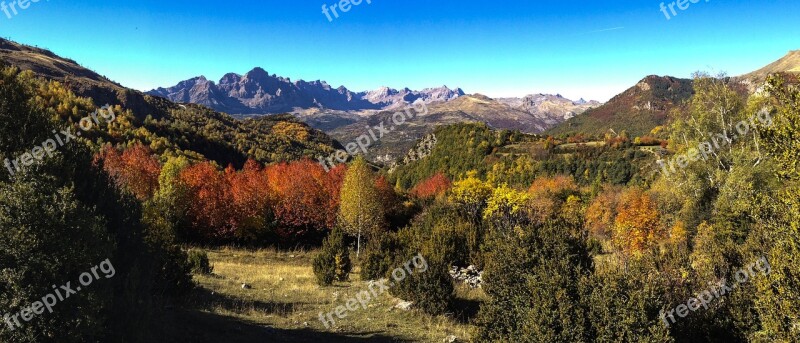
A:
x,y
135,169
433,187
360,211
637,225
251,201
778,295
507,209
471,194
306,198
548,194
601,213
210,207
170,205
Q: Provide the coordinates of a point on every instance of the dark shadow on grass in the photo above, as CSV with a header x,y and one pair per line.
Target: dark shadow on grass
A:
x,y
180,325
464,310
205,299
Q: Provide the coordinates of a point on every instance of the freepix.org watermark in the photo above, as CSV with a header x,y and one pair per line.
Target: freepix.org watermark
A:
x,y
366,140
13,5
51,145
709,148
716,291
60,293
681,4
376,288
343,5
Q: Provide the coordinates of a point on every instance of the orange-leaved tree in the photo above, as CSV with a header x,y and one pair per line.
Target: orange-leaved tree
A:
x,y
432,187
135,170
636,226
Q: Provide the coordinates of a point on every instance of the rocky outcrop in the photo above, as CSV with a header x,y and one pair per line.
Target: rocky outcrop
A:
x,y
470,276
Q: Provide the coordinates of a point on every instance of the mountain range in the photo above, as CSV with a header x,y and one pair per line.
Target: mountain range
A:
x,y
259,93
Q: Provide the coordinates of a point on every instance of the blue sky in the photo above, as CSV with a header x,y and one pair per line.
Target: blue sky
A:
x,y
503,48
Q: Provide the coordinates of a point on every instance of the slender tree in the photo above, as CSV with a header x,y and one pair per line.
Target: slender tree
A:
x,y
360,211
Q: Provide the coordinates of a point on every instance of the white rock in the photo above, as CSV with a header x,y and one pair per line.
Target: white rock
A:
x,y
405,305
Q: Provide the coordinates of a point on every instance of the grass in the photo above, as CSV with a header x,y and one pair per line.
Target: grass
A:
x,y
284,303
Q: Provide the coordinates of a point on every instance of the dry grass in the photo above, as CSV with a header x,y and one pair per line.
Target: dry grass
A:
x,y
284,304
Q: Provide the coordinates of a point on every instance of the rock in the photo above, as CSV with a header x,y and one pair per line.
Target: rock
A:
x,y
470,275
450,339
404,305
246,286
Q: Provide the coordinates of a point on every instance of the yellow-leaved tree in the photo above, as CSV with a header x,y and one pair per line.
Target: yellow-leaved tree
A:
x,y
471,194
360,211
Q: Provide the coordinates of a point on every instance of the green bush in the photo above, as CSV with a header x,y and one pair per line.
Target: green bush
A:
x,y
532,284
198,262
333,262
440,242
431,289
378,258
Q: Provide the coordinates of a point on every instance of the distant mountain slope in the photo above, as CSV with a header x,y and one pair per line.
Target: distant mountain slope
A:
x,y
531,114
259,93
191,130
637,110
82,81
787,64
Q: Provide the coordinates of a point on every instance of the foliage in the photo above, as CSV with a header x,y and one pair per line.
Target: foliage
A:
x,y
306,198
432,187
601,213
63,216
532,283
379,257
360,211
198,262
459,148
471,195
636,226
507,208
333,262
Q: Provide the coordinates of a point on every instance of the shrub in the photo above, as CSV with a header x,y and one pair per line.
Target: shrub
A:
x,y
379,257
198,262
431,290
333,261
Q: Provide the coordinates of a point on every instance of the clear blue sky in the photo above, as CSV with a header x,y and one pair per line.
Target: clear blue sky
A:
x,y
592,49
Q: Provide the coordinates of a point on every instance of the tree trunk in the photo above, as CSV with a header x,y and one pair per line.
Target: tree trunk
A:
x,y
358,245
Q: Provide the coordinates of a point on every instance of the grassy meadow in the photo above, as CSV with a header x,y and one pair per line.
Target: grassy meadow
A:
x,y
284,302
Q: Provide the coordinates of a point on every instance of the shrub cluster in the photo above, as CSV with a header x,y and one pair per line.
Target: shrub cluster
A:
x,y
333,262
198,262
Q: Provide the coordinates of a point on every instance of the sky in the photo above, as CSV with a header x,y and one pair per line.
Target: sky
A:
x,y
592,50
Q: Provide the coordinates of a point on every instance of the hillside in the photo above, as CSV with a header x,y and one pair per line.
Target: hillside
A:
x,y
636,111
517,159
787,64
532,114
168,128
